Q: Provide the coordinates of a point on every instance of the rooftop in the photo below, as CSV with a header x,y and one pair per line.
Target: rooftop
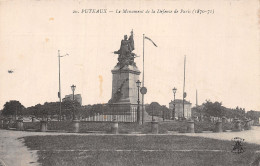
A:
x,y
180,101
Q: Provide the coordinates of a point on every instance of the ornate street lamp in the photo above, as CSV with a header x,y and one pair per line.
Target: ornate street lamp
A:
x,y
73,87
173,113
138,83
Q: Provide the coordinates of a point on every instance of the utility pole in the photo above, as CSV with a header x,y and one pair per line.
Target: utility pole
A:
x,y
59,86
59,94
143,86
184,94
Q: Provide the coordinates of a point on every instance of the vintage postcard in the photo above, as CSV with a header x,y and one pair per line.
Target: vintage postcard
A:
x,y
142,82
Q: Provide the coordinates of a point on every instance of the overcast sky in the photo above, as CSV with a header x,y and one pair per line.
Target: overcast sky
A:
x,y
222,50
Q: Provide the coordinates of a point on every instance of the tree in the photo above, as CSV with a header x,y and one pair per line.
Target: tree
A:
x,y
198,111
71,108
38,110
229,113
12,107
155,109
254,115
213,109
166,113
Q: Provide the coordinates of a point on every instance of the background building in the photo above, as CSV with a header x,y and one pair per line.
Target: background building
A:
x,y
179,108
77,97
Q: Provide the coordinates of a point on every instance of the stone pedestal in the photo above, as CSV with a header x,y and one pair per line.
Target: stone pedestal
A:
x,y
125,92
33,119
190,127
19,125
43,126
76,124
218,127
114,127
124,89
237,125
154,126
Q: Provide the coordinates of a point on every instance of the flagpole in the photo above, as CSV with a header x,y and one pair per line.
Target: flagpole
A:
x,y
143,61
143,86
59,86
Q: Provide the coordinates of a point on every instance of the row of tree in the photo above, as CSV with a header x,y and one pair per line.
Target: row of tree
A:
x,y
206,110
69,109
73,108
216,109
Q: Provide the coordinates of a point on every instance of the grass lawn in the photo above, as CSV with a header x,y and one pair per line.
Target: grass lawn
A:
x,y
69,150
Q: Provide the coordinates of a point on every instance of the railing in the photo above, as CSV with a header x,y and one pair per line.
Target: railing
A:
x,y
115,112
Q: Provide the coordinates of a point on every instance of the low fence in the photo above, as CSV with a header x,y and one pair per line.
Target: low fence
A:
x,y
115,112
123,127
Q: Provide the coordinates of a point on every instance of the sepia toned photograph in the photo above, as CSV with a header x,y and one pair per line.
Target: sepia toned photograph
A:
x,y
129,83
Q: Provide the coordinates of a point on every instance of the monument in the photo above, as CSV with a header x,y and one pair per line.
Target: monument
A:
x,y
125,75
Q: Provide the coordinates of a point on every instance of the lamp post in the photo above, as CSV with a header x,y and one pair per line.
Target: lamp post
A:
x,y
59,94
183,107
73,87
138,83
173,112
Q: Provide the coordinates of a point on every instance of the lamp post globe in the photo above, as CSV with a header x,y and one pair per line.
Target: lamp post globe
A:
x,y
174,90
73,87
138,83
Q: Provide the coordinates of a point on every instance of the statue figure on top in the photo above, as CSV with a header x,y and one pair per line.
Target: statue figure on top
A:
x,y
126,57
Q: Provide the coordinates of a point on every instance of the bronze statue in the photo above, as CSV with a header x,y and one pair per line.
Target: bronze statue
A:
x,y
126,57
